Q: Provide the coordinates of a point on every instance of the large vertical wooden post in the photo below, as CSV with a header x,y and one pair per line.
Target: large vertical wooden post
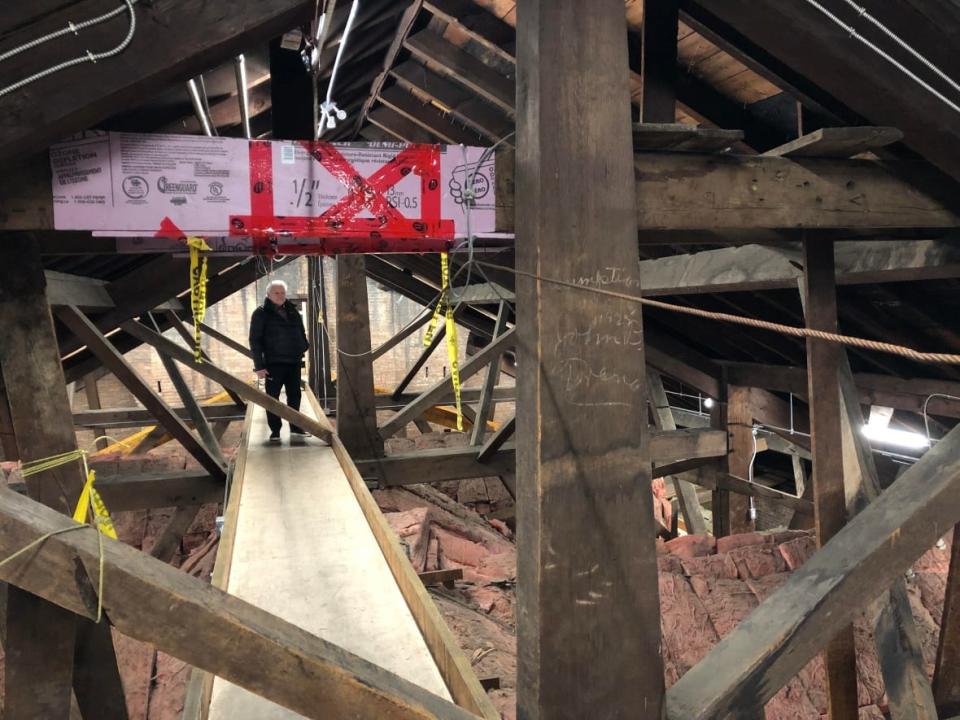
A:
x,y
946,677
659,66
740,439
586,556
42,638
830,507
356,405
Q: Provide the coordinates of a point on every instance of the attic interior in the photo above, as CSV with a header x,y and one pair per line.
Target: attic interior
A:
x,y
630,384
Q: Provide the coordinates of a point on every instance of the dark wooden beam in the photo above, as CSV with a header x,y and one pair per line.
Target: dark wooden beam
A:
x,y
84,329
44,641
686,493
757,267
496,441
447,59
167,545
895,631
946,676
659,66
478,24
823,368
430,397
586,563
177,324
437,465
247,392
804,40
489,382
772,644
205,627
401,127
740,416
356,408
172,42
454,99
140,417
407,20
435,122
93,402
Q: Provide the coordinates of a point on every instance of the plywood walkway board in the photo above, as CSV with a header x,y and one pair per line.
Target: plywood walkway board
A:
x,y
304,551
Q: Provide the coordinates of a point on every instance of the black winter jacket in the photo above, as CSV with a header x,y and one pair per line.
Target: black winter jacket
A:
x,y
275,340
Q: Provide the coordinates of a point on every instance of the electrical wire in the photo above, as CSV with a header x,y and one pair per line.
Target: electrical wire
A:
x,y
886,56
329,109
88,57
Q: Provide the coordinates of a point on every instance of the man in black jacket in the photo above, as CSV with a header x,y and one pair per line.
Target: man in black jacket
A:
x,y
278,342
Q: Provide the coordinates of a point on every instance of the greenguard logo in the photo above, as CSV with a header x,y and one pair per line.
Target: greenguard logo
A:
x,y
183,187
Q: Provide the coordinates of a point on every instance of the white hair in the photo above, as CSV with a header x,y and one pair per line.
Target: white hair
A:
x,y
277,283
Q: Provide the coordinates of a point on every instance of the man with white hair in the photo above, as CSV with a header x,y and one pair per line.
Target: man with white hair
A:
x,y
278,342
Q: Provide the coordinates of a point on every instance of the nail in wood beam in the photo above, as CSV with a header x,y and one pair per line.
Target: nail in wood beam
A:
x,y
81,326
42,641
356,407
686,493
486,392
823,365
586,560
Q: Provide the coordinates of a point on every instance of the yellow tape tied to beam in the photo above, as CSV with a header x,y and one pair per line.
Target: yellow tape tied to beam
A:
x,y
451,329
89,496
198,289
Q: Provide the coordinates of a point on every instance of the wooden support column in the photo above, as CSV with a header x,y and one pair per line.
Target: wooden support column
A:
x,y
42,639
8,443
946,677
740,439
489,383
586,556
686,492
830,509
659,65
93,401
909,695
356,406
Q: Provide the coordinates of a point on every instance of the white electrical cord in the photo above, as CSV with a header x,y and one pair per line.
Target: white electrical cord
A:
x,y
329,112
926,419
882,53
74,28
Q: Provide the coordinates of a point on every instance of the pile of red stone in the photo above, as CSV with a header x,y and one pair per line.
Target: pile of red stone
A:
x,y
706,588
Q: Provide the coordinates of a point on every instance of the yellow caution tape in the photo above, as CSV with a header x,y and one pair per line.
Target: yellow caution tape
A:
x,y
452,346
90,497
198,289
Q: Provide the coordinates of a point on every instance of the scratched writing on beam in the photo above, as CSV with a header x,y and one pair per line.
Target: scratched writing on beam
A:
x,y
605,277
594,361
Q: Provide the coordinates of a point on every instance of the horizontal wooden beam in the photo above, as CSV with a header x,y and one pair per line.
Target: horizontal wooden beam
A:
x,y
146,491
155,603
140,417
668,448
757,267
909,394
772,644
173,41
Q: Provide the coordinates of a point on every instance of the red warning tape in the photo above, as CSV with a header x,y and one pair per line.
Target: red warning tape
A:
x,y
338,229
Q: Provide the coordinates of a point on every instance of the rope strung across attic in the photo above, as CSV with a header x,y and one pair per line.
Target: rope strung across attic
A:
x,y
801,332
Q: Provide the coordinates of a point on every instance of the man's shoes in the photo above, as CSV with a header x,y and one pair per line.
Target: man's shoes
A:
x,y
275,437
297,431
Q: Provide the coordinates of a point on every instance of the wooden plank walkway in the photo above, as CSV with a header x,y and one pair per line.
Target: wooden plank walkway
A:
x,y
304,551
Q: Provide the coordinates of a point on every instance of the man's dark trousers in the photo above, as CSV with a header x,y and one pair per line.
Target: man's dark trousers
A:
x,y
280,376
